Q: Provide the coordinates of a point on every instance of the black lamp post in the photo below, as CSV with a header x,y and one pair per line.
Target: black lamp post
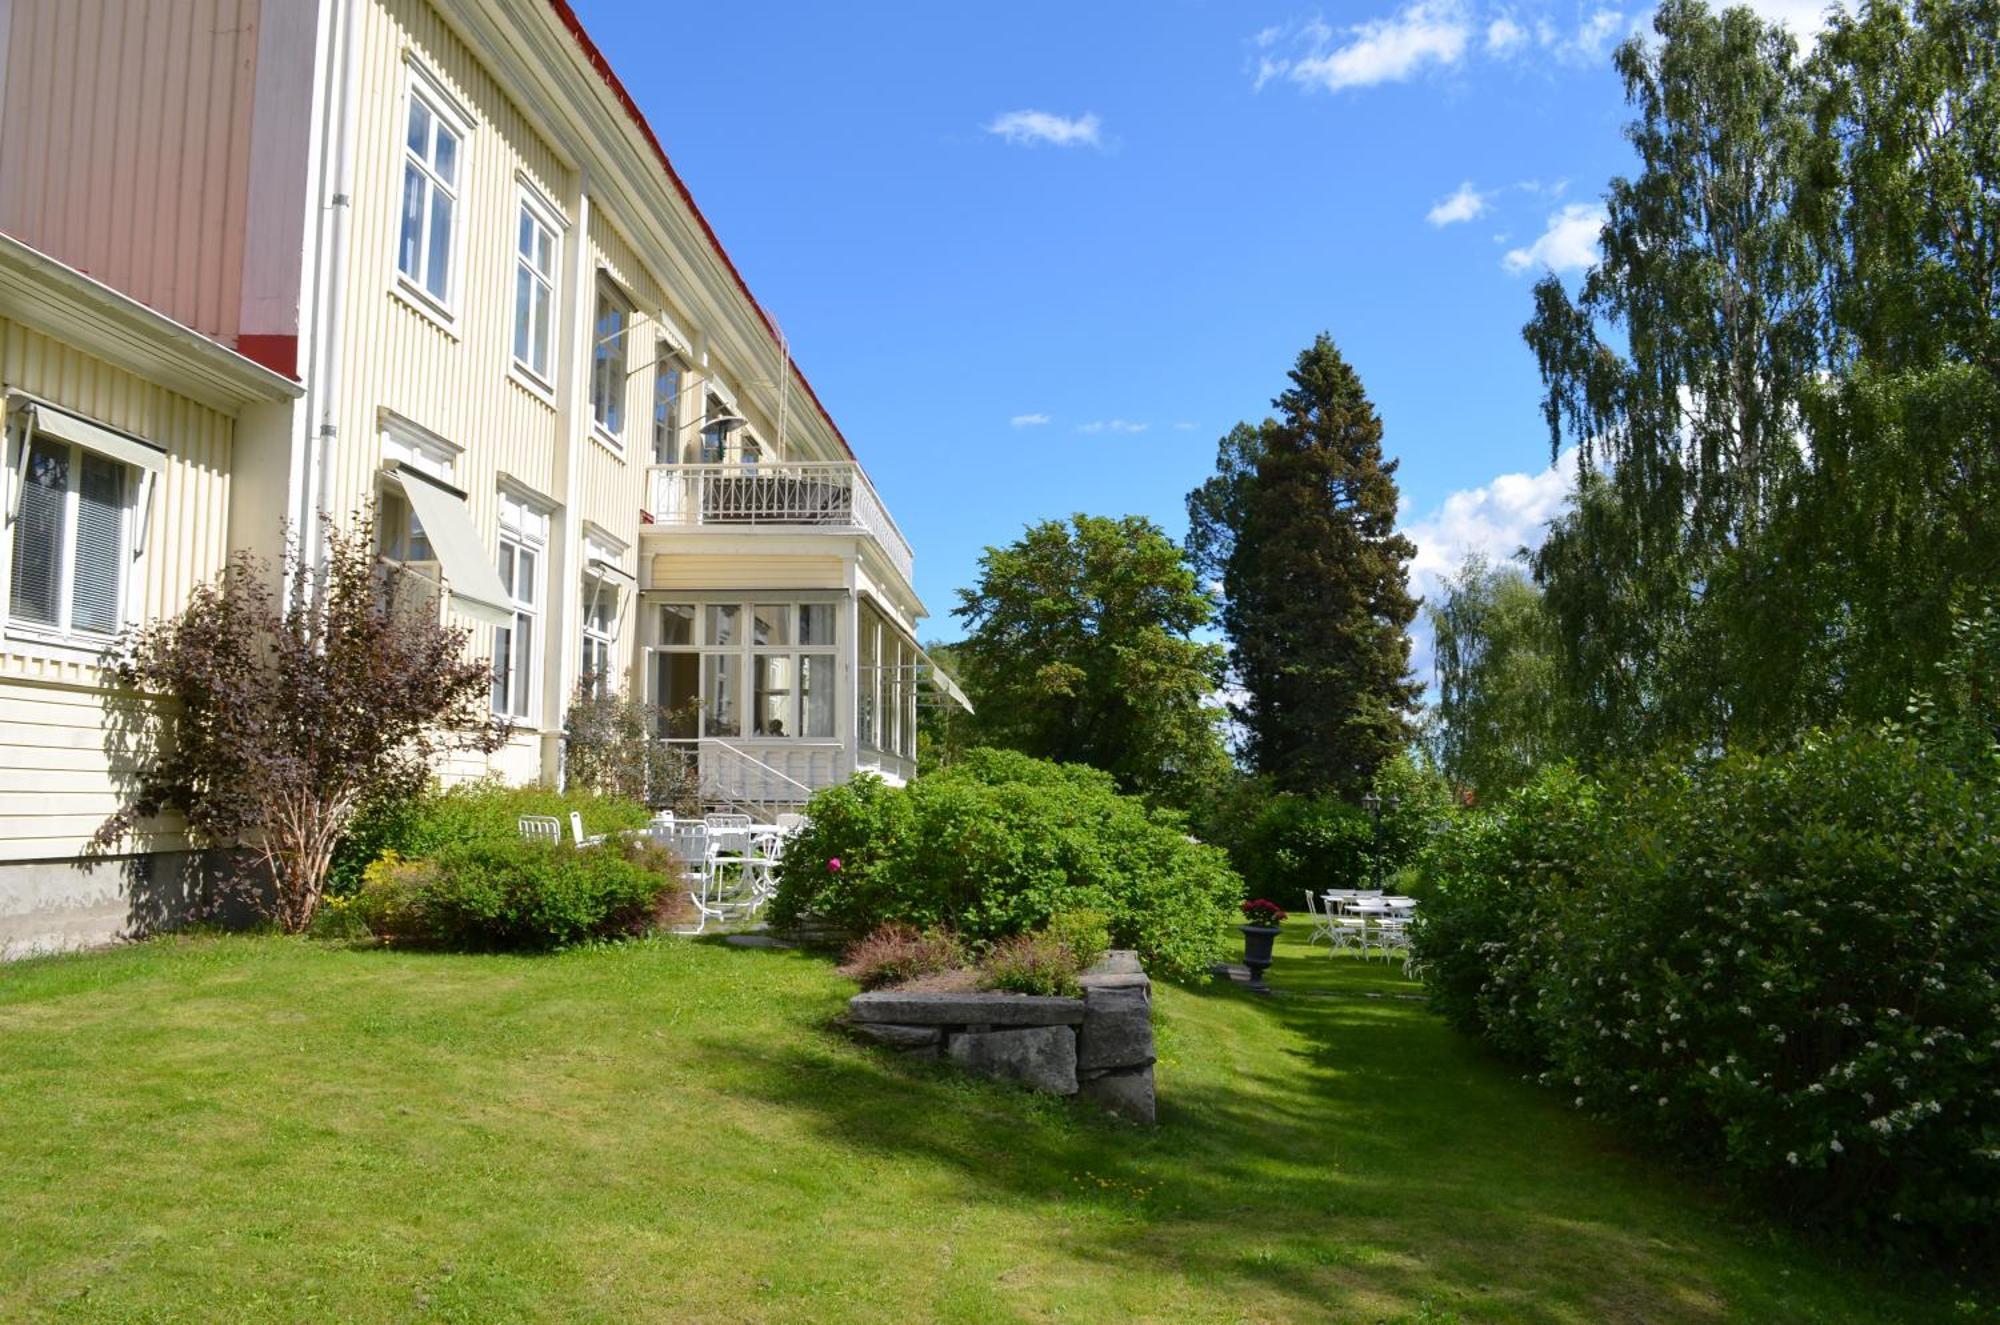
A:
x,y
1373,804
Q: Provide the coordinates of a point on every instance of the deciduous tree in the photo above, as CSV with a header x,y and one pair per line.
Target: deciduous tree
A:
x,y
277,719
1078,649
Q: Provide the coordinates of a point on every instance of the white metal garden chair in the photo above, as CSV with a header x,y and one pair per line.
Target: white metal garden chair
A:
x,y
576,831
540,827
1322,920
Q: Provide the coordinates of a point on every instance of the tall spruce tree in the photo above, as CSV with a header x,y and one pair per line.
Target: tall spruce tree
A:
x,y
1298,526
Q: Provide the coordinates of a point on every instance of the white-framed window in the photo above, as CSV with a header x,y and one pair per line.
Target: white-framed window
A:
x,y
537,257
399,534
600,635
886,719
761,670
603,597
668,374
523,548
72,539
610,341
434,138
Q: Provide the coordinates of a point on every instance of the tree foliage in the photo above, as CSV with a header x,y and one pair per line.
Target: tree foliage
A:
x,y
276,721
1078,649
1298,526
1497,717
1781,379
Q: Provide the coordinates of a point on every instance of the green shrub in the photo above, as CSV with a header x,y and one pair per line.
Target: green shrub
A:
x,y
508,893
469,812
1285,844
999,844
1785,968
1087,935
892,954
1037,963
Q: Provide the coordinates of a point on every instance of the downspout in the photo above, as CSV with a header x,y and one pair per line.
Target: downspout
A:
x,y
329,302
565,600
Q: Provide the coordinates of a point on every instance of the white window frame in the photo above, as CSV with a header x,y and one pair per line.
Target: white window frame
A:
x,y
746,651
608,289
420,85
534,208
600,584
524,526
411,447
667,432
141,481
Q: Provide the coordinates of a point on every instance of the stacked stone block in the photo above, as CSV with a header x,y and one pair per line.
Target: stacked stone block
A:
x,y
1099,1046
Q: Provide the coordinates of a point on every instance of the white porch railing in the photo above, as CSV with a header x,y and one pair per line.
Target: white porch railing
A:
x,y
731,773
821,494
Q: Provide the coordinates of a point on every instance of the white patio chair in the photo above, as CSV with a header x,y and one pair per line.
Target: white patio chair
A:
x,y
540,827
1322,921
576,831
789,823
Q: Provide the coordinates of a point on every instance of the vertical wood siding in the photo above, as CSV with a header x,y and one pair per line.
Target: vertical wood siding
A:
x,y
125,145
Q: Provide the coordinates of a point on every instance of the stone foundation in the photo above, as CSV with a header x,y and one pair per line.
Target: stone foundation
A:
x,y
1099,1046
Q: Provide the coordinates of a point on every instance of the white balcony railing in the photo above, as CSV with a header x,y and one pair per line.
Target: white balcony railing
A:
x,y
820,494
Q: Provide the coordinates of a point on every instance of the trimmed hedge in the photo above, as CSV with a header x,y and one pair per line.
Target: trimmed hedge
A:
x,y
512,894
999,844
470,812
1784,968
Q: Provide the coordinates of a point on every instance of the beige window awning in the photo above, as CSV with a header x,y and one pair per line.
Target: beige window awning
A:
x,y
940,680
469,573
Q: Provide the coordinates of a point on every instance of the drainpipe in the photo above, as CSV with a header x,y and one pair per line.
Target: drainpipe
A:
x,y
336,207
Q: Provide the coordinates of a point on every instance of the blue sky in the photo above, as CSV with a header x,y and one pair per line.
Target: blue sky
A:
x,y
1037,258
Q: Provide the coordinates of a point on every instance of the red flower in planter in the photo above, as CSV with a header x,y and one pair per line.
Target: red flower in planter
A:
x,y
1261,912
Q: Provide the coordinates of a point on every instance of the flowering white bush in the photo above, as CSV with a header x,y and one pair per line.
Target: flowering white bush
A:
x,y
1786,968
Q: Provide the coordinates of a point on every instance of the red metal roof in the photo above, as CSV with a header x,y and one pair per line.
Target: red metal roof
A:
x,y
604,71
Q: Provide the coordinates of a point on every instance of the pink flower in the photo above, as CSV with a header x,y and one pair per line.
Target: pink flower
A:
x,y
833,866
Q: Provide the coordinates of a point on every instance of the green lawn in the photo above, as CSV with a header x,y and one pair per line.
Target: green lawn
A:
x,y
266,1129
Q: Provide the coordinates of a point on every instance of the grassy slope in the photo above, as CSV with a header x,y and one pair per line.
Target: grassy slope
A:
x,y
268,1129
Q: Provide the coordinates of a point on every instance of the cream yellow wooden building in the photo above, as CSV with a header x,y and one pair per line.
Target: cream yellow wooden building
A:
x,y
425,258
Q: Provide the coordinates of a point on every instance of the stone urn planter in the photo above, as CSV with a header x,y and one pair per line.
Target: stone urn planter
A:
x,y
1260,931
1257,941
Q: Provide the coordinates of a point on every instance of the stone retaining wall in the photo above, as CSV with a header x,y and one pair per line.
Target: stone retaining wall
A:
x,y
1099,1046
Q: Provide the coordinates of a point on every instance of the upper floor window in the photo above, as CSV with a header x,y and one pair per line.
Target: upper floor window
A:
x,y
536,246
77,502
607,361
433,143
666,405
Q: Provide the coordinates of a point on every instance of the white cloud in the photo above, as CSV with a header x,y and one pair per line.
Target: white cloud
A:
x,y
1496,520
1124,426
1468,204
1028,420
1568,244
1184,426
1381,50
1504,36
1806,18
1027,128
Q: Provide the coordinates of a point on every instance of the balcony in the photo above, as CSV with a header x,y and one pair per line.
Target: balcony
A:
x,y
827,495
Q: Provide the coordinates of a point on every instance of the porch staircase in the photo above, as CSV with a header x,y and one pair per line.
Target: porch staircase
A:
x,y
734,781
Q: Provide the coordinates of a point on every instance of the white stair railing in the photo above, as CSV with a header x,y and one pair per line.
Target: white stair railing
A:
x,y
734,774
